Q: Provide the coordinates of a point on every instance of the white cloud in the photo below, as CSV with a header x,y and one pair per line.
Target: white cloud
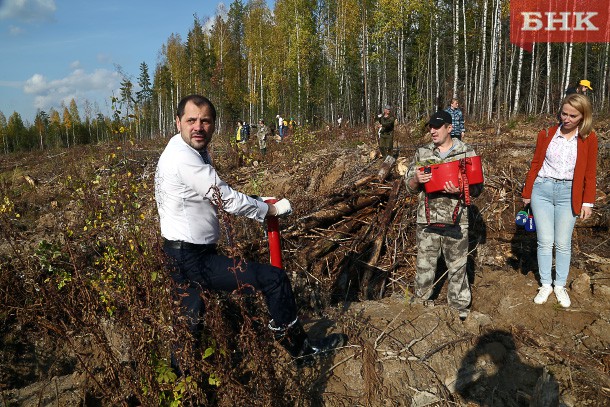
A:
x,y
75,64
104,58
27,10
14,31
221,12
79,85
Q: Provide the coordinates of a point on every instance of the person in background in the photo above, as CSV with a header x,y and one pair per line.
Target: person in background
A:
x,y
442,220
457,119
560,187
280,126
582,88
239,137
262,134
286,130
245,131
385,125
188,192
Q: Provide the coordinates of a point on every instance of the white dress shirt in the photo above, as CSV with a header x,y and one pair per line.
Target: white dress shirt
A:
x,y
184,190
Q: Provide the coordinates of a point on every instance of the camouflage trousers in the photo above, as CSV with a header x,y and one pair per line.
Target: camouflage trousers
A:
x,y
386,144
454,249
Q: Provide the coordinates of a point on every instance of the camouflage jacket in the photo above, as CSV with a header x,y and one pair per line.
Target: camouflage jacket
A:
x,y
387,123
441,205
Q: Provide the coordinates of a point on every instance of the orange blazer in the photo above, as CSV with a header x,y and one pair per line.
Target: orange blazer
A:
x,y
585,172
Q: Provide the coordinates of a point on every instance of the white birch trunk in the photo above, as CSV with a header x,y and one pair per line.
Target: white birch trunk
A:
x,y
401,74
508,82
568,68
533,94
456,32
466,71
518,84
548,78
365,70
436,65
493,58
605,76
479,92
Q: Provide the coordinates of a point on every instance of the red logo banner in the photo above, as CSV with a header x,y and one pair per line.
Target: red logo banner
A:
x,y
559,21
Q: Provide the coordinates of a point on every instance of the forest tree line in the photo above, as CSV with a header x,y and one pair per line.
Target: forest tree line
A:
x,y
315,61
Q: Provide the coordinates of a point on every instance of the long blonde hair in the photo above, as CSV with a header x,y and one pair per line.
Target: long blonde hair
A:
x,y
583,105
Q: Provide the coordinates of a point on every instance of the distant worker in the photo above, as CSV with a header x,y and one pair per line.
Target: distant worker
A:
x,y
386,122
457,117
262,134
188,192
280,126
285,127
239,136
582,88
245,132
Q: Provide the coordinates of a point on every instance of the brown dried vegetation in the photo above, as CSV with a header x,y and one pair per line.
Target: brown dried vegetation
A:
x,y
86,318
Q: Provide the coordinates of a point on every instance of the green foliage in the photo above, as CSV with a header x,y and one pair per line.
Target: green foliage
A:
x,y
53,263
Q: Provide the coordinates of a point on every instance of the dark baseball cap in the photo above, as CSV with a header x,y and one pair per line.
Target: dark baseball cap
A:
x,y
439,118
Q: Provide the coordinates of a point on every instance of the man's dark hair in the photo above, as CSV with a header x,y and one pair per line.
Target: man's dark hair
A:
x,y
199,101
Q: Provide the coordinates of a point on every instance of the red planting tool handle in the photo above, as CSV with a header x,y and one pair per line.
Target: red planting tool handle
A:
x,y
273,234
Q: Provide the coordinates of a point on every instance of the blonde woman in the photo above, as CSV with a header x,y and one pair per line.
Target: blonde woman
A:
x,y
560,186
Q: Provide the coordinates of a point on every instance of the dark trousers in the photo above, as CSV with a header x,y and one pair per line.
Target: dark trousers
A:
x,y
194,270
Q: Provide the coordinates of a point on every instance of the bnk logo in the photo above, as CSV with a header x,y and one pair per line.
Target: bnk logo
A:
x,y
559,21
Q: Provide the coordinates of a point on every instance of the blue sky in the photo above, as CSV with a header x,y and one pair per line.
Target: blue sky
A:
x,y
55,50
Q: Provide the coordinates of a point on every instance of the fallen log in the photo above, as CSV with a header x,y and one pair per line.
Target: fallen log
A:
x,y
386,167
327,216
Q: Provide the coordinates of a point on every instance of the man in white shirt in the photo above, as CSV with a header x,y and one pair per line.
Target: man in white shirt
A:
x,y
189,193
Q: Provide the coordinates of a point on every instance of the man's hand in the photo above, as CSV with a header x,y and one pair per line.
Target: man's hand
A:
x,y
450,188
281,208
422,177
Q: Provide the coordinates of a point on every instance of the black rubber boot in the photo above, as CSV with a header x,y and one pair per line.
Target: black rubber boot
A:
x,y
304,349
292,338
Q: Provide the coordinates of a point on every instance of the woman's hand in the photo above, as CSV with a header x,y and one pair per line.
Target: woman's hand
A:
x,y
586,212
526,201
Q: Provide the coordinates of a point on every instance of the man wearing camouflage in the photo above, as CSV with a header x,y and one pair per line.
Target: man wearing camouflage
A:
x,y
386,122
442,219
262,133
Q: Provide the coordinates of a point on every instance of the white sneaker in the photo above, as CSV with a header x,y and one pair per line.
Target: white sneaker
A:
x,y
562,296
543,294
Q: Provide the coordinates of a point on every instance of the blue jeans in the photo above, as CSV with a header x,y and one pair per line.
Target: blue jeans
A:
x,y
552,207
